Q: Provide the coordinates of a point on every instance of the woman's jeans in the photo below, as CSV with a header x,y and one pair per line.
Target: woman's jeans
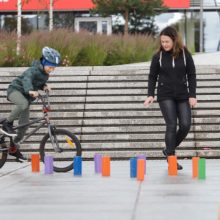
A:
x,y
173,110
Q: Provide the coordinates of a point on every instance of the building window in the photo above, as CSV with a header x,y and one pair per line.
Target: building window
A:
x,y
104,27
98,25
90,26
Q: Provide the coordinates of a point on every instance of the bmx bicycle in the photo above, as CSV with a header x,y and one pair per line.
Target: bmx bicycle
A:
x,y
62,144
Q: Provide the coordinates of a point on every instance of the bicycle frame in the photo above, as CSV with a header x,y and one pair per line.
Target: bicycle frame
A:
x,y
35,129
45,120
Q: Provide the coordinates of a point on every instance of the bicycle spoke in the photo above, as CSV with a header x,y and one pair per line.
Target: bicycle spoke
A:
x,y
63,146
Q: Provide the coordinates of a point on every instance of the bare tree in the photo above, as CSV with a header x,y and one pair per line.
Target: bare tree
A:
x,y
51,15
19,10
51,6
20,3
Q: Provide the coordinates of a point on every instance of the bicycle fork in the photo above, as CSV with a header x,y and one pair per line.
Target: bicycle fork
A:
x,y
53,138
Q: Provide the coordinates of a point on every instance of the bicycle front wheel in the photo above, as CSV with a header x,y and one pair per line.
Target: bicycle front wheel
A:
x,y
3,154
68,146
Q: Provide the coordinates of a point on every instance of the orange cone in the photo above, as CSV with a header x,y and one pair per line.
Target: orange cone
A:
x,y
172,165
140,169
35,162
105,166
195,165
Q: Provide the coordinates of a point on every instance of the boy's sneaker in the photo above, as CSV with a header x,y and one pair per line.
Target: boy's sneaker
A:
x,y
7,128
19,156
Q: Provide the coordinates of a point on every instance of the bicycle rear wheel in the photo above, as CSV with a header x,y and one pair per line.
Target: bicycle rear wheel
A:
x,y
3,154
68,144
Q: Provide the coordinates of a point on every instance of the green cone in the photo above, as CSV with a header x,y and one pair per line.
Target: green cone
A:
x,y
202,169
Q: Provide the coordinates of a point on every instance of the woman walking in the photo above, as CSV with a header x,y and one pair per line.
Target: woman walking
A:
x,y
173,67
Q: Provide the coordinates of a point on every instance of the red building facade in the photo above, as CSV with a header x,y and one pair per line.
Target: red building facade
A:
x,y
71,5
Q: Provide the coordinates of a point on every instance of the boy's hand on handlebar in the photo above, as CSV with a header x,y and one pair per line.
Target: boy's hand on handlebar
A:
x,y
33,94
47,88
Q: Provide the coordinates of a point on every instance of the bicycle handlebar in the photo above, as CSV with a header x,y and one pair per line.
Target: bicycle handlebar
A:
x,y
45,100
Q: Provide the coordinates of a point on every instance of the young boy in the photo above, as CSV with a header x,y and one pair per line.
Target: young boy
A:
x,y
23,90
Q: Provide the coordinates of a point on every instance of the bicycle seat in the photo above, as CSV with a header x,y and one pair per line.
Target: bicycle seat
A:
x,y
2,120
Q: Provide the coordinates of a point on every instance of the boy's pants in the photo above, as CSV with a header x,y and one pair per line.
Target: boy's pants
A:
x,y
20,111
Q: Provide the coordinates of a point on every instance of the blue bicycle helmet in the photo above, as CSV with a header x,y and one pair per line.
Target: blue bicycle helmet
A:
x,y
51,57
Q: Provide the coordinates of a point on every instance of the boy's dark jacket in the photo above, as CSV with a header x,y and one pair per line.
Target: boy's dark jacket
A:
x,y
33,79
172,81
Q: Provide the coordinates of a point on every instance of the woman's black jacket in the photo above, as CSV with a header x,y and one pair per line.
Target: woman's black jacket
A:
x,y
176,76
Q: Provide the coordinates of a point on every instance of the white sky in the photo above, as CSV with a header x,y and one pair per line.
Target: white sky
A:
x,y
212,22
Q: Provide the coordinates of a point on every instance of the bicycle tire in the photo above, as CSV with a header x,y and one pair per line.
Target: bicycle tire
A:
x,y
3,154
46,139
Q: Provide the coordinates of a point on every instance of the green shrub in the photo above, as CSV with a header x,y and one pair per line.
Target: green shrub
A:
x,y
130,49
91,55
79,49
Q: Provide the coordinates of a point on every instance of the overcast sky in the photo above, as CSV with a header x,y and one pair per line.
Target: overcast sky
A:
x,y
211,31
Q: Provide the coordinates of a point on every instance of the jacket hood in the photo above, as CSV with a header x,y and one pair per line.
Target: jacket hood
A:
x,y
37,64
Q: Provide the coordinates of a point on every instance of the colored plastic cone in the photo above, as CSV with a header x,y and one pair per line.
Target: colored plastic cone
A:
x,y
195,166
144,158
202,169
140,169
172,165
48,165
35,162
133,167
77,165
98,163
105,166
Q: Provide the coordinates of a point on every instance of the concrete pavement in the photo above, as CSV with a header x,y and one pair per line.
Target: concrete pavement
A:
x,y
207,59
26,195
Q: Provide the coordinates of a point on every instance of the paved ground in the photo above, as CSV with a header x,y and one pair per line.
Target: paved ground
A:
x,y
207,58
26,195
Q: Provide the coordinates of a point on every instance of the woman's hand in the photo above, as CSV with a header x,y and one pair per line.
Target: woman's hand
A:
x,y
149,101
192,102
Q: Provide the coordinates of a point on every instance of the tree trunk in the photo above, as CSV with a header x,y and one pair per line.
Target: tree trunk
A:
x,y
126,22
19,9
51,16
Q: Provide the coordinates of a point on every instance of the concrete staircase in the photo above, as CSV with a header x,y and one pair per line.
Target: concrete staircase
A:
x,y
104,107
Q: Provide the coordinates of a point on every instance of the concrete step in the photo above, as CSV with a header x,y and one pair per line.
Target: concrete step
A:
x,y
132,145
111,98
99,70
105,78
104,107
59,92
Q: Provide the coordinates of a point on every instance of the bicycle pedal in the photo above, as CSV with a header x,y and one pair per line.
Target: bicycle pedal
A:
x,y
12,149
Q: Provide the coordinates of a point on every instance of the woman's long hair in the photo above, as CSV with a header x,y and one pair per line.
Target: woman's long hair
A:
x,y
176,38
